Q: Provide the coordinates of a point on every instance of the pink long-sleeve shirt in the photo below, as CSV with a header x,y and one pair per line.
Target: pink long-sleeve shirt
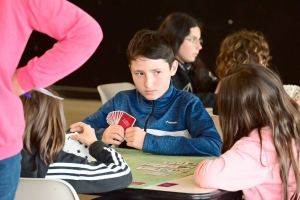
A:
x,y
77,34
245,167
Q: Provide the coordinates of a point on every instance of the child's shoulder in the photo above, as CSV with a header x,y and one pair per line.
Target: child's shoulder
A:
x,y
187,96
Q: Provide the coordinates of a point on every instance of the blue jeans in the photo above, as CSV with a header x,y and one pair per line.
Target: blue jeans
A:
x,y
9,176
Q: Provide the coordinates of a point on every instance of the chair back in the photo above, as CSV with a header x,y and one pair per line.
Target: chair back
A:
x,y
216,120
46,189
108,91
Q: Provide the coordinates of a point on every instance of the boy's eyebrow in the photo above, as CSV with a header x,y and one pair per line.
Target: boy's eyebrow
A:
x,y
156,69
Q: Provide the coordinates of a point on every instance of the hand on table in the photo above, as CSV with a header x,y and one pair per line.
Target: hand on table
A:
x,y
135,137
114,134
87,137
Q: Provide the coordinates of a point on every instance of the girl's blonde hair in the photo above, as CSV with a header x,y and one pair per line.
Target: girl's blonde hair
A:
x,y
45,125
242,47
253,97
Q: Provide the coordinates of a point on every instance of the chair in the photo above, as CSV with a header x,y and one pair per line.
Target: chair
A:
x,y
108,91
216,120
46,189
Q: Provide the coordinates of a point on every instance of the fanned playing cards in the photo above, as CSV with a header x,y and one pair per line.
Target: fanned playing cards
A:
x,y
292,90
76,147
121,118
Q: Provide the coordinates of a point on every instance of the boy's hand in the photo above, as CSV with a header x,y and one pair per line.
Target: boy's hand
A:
x,y
135,137
87,137
114,134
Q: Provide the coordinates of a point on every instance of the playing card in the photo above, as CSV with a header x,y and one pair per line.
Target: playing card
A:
x,y
76,147
157,173
292,90
68,141
121,118
167,184
126,120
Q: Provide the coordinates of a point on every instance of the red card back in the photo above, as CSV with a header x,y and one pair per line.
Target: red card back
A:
x,y
126,121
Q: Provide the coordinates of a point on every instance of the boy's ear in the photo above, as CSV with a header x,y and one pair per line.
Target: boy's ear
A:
x,y
174,67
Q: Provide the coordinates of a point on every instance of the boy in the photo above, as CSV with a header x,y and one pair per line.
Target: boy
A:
x,y
168,121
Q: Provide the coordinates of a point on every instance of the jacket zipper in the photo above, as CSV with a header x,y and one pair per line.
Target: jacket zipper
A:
x,y
152,111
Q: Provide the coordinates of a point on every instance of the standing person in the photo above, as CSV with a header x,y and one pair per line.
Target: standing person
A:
x,y
261,137
168,121
43,154
184,35
78,36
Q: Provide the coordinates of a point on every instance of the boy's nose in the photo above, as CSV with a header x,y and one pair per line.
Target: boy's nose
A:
x,y
148,82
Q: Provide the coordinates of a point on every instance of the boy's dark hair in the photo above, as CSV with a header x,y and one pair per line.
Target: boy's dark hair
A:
x,y
150,44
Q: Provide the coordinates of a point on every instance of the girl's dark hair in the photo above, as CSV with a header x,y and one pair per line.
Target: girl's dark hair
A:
x,y
202,80
176,27
150,44
45,125
252,97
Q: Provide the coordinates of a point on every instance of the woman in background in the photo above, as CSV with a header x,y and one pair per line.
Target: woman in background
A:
x,y
43,155
261,137
184,35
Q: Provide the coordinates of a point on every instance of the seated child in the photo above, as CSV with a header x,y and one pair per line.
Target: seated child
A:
x,y
168,121
242,47
261,137
43,157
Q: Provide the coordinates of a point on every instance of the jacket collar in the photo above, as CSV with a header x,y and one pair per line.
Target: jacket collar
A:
x,y
184,66
162,101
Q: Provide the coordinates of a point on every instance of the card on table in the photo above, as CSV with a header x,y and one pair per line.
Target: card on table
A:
x,y
121,118
156,173
76,147
167,184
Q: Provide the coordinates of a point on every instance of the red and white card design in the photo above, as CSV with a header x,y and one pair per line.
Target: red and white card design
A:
x,y
121,118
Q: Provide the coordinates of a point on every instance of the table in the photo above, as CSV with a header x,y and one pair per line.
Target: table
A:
x,y
172,186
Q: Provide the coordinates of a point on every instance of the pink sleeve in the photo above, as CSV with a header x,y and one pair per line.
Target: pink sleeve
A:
x,y
237,169
77,34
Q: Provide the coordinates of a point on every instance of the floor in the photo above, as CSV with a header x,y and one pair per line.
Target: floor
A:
x,y
78,109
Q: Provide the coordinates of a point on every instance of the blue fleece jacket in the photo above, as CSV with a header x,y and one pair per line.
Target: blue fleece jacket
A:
x,y
175,124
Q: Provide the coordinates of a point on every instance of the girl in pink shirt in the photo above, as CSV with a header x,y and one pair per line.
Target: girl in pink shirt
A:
x,y
261,137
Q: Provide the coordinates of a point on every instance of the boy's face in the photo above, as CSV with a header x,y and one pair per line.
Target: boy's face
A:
x,y
152,77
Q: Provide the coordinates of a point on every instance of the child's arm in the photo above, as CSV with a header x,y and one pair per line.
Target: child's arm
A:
x,y
237,169
77,33
109,172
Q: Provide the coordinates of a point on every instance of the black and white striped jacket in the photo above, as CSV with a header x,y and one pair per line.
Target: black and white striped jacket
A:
x,y
109,172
